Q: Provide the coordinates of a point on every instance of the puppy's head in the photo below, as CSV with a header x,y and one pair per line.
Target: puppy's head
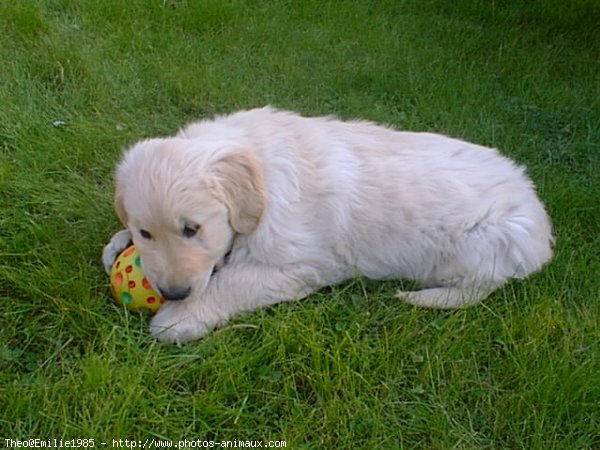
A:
x,y
184,200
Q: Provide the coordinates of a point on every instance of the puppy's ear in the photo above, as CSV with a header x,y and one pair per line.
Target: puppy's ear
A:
x,y
239,183
120,206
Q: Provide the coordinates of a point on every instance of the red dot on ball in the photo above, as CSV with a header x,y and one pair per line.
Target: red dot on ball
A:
x,y
129,269
146,283
131,284
150,300
118,279
129,251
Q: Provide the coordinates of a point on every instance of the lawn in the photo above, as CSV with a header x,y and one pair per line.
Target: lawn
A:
x,y
350,367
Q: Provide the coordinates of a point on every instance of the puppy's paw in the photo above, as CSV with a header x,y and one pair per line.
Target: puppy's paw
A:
x,y
402,295
443,297
175,323
119,242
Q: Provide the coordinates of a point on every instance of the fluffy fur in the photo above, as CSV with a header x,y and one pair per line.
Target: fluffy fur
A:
x,y
264,206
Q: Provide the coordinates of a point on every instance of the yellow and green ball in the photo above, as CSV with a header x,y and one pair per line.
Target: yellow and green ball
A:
x,y
129,285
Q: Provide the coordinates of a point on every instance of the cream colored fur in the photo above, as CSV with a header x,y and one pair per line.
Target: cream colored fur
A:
x,y
285,205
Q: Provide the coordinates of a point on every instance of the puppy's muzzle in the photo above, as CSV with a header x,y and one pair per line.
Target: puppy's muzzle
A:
x,y
175,294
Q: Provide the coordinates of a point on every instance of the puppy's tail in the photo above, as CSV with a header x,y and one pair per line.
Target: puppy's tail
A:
x,y
489,255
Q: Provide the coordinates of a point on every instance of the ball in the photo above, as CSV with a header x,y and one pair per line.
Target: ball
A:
x,y
130,287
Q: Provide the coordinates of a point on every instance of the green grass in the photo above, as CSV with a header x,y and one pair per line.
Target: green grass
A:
x,y
350,367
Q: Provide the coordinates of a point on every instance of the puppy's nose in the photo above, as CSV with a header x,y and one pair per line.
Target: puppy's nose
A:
x,y
175,294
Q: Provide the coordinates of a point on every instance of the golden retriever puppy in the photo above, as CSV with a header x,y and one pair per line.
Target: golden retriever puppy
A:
x,y
265,206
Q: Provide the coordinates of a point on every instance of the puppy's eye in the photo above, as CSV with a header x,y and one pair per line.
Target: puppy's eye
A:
x,y
145,234
190,231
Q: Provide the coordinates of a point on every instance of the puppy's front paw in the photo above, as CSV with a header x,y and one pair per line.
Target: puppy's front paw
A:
x,y
175,323
119,242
